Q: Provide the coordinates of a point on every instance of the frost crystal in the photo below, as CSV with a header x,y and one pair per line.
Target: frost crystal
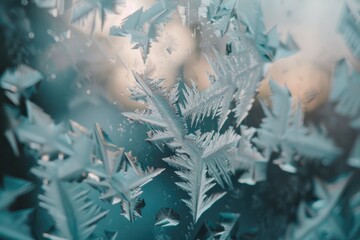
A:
x,y
121,177
201,132
236,80
141,26
189,156
282,131
167,217
75,216
219,14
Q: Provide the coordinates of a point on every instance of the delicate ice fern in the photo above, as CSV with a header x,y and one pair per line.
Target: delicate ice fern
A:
x,y
282,131
216,148
322,219
345,92
195,182
237,79
12,223
220,230
75,216
349,26
192,158
120,176
141,26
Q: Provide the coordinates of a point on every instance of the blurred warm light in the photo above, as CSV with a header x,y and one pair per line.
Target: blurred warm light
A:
x,y
306,81
314,26
166,56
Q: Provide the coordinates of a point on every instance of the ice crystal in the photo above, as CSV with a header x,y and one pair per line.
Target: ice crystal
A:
x,y
236,80
75,216
108,168
189,152
282,131
141,26
121,177
167,217
201,132
219,14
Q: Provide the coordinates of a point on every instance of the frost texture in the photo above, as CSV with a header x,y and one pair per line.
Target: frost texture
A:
x,y
236,74
191,156
282,131
76,165
236,80
71,155
141,26
75,216
121,176
219,14
116,173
